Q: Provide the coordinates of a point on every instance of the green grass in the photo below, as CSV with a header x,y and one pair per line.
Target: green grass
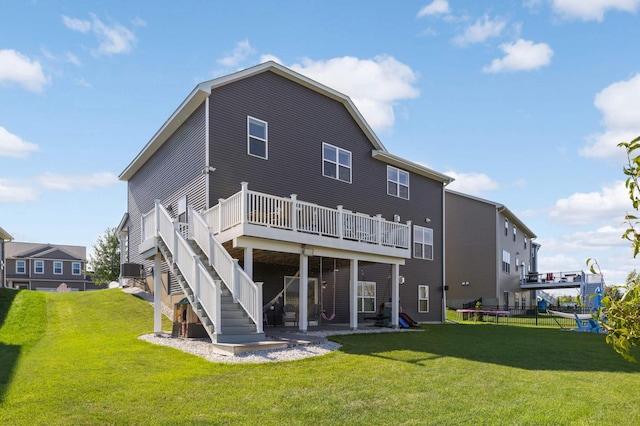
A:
x,y
74,359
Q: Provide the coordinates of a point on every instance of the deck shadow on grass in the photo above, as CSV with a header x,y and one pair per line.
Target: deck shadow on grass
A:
x,y
8,358
518,347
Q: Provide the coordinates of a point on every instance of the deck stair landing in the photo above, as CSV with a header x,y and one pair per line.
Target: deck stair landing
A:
x,y
236,326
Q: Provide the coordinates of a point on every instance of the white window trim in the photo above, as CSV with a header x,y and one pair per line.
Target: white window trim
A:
x,y
73,265
398,184
426,287
35,266
506,262
265,140
24,267
361,297
337,163
61,268
423,228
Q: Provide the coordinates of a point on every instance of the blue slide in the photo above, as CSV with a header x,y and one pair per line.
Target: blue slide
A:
x,y
403,323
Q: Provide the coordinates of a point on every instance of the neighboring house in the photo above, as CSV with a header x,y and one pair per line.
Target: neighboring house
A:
x,y
285,175
46,267
488,252
4,237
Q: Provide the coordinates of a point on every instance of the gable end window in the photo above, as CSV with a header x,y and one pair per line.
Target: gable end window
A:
x,y
422,243
21,267
397,182
57,268
257,140
76,268
336,163
38,267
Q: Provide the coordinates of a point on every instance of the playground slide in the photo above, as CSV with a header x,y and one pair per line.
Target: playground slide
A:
x,y
408,320
403,323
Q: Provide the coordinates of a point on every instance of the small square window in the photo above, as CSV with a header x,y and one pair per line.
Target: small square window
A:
x,y
397,182
257,140
336,163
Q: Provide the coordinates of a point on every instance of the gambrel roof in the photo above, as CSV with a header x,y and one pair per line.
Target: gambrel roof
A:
x,y
203,90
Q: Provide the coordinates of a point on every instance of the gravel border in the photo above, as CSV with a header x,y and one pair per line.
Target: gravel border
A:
x,y
204,349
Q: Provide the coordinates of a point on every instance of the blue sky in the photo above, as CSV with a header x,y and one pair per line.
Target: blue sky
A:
x,y
522,101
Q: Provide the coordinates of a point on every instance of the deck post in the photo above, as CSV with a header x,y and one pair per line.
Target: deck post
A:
x,y
248,262
157,295
340,222
303,292
244,202
294,209
353,299
395,294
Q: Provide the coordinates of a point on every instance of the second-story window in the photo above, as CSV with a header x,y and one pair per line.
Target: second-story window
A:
x,y
506,261
397,182
422,242
38,267
515,231
21,267
525,242
76,268
257,138
506,227
336,163
57,268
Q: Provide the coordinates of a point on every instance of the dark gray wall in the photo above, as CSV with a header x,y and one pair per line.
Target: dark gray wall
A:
x,y
299,121
470,249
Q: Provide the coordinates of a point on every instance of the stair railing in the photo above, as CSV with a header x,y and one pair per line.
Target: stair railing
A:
x,y
205,289
244,290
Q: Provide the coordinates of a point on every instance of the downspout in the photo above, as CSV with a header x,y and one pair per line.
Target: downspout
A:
x,y
207,176
444,256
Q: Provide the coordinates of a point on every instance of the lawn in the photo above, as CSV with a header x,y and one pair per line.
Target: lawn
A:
x,y
74,359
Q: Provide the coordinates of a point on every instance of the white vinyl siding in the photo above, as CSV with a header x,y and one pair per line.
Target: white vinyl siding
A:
x,y
257,138
336,163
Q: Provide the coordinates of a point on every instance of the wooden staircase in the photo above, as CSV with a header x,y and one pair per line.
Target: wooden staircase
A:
x,y
236,326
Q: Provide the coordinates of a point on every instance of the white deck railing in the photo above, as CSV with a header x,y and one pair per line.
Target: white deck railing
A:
x,y
242,287
257,208
205,289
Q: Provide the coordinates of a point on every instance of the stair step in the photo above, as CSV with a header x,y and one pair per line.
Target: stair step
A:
x,y
239,338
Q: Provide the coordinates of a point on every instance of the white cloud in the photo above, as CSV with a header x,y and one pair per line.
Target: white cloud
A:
x,y
242,51
480,31
374,85
19,69
70,57
54,181
269,57
592,10
522,55
609,205
619,104
112,39
12,191
13,146
436,7
84,83
475,184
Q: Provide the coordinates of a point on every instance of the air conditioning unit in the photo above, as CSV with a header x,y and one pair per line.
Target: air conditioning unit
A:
x,y
131,270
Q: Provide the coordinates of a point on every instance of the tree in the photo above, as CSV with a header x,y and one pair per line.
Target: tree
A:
x,y
105,260
621,318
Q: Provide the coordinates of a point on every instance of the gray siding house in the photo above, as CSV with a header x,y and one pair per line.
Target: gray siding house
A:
x,y
46,267
489,254
269,191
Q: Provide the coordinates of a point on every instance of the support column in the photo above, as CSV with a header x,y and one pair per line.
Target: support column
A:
x,y
157,295
395,294
248,262
353,291
303,292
